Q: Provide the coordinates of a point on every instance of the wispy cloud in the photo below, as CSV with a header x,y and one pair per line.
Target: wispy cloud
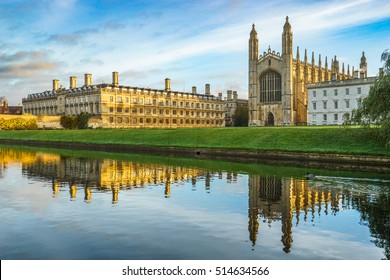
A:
x,y
189,41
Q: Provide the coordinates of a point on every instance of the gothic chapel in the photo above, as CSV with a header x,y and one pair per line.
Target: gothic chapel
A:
x,y
277,82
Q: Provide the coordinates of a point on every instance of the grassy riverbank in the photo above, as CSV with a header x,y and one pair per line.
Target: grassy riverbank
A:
x,y
302,139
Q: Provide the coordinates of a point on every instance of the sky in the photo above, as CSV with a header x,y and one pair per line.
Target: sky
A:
x,y
191,42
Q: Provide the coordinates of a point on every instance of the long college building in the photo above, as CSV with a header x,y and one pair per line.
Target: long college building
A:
x,y
277,91
117,106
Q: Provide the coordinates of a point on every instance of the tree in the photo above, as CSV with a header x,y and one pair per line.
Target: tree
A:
x,y
68,122
375,108
75,122
241,116
82,120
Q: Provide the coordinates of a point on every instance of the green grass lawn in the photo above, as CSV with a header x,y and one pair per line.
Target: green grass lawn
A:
x,y
330,139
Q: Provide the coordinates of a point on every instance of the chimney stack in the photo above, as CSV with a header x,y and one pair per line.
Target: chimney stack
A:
x,y
115,79
207,89
194,90
87,80
220,96
56,85
235,96
72,82
167,84
229,95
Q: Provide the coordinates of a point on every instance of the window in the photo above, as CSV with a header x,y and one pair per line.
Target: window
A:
x,y
134,120
346,103
111,119
119,99
111,98
336,104
111,109
314,106
126,120
347,91
325,105
119,120
359,90
314,93
324,92
335,92
126,109
359,102
119,109
134,110
336,117
270,87
325,117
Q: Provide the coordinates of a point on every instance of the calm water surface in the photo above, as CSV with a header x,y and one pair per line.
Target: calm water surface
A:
x,y
58,204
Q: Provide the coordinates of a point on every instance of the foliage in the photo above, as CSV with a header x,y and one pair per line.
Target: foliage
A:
x,y
82,120
18,124
241,117
75,122
68,122
375,108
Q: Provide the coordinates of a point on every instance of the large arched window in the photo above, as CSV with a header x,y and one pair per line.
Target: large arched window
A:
x,y
270,87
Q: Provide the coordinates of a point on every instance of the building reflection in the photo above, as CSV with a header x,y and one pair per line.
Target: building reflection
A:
x,y
106,175
272,201
289,201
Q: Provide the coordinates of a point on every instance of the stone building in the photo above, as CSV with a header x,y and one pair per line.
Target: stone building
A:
x,y
118,106
232,102
332,101
277,90
9,110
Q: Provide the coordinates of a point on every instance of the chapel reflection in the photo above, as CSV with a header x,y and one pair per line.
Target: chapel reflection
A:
x,y
290,201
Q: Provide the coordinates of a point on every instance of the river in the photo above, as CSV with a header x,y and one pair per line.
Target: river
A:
x,y
63,204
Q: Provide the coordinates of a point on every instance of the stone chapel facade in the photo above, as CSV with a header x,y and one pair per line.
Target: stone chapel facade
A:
x,y
277,86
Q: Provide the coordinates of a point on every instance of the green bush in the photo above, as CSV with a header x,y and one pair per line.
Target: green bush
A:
x,y
75,122
18,124
384,132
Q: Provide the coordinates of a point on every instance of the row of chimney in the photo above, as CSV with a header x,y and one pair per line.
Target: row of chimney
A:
x,y
115,82
87,81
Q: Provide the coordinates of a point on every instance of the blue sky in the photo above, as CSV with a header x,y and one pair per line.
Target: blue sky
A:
x,y
191,42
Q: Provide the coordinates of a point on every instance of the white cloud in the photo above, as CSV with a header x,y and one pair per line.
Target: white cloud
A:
x,y
166,38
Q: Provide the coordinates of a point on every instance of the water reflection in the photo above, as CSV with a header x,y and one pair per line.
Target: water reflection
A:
x,y
286,202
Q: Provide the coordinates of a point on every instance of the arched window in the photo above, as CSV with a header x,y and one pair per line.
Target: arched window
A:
x,y
270,87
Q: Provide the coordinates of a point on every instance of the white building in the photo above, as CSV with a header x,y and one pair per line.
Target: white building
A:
x,y
328,102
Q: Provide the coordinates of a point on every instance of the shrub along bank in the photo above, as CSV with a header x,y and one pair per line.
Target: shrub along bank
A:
x,y
351,140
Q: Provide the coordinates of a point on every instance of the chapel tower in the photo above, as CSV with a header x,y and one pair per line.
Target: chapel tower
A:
x,y
287,59
277,82
253,59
